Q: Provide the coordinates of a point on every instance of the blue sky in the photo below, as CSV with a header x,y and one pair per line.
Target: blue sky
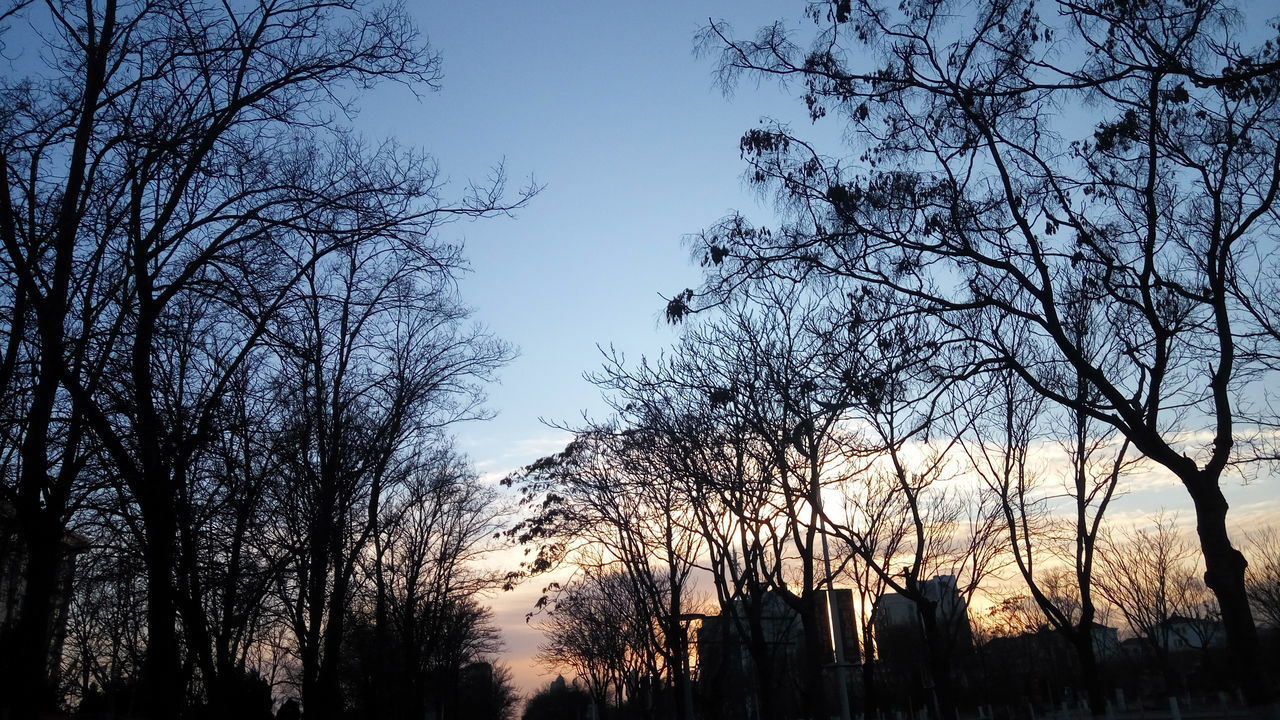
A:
x,y
606,104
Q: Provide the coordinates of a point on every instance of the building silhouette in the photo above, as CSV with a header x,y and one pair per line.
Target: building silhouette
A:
x,y
899,632
1041,667
729,680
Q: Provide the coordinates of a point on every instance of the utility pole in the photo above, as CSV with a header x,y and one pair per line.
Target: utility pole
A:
x,y
833,610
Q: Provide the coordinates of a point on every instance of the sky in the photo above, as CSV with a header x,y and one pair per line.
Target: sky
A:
x,y
607,105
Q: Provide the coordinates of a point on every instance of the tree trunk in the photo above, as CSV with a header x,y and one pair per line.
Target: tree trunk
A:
x,y
1224,575
762,661
869,700
315,697
937,648
330,687
309,654
1082,640
39,529
816,658
675,638
319,541
162,667
217,668
375,700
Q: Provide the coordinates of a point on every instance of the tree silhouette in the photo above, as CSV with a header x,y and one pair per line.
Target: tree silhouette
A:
x,y
974,196
1041,530
173,172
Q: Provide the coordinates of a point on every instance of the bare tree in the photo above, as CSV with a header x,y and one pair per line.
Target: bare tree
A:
x,y
1040,531
376,359
604,632
764,370
873,505
754,410
171,175
417,614
606,507
1149,576
970,196
227,565
781,383
711,462
752,414
106,620
1263,580
900,394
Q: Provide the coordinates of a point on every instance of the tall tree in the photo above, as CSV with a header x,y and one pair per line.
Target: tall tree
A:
x,y
606,507
172,171
975,197
710,460
227,563
875,506
416,620
1051,531
1148,575
376,359
749,407
604,631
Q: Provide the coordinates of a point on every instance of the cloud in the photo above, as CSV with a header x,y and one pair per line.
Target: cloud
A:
x,y
516,454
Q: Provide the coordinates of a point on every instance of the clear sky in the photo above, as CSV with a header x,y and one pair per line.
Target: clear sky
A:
x,y
606,104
